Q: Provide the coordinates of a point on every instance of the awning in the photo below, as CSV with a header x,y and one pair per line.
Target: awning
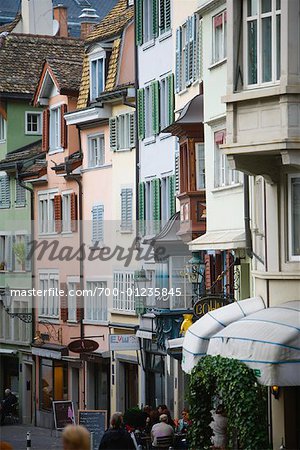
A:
x,y
219,240
53,351
197,337
7,351
144,334
267,341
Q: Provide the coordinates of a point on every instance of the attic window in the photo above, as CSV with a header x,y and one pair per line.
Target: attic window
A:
x,y
97,76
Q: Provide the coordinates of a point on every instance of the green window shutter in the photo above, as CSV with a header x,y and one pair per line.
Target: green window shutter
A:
x,y
162,23
172,199
139,22
192,49
170,99
178,62
113,130
167,15
156,199
155,106
132,130
141,211
177,179
20,195
155,18
141,113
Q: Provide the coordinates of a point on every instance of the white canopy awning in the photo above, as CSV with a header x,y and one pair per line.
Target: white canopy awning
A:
x,y
197,337
268,341
219,240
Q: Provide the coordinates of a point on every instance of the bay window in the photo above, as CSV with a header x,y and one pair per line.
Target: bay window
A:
x,y
294,217
224,176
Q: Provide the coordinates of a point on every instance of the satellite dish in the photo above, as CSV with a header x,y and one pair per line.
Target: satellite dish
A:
x,y
55,26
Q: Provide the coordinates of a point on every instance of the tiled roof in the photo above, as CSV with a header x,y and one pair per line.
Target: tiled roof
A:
x,y
67,73
23,154
113,66
22,56
85,84
8,27
73,161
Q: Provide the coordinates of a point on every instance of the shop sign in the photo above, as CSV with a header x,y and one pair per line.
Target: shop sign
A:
x,y
123,342
207,304
95,421
83,346
63,414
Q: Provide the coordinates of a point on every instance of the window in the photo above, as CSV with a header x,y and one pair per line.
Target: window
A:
x,y
49,299
2,129
166,101
188,67
224,176
97,77
200,166
19,251
46,213
122,132
96,301
72,300
33,123
148,20
148,111
4,190
6,255
53,382
55,129
294,217
96,150
123,291
262,41
164,16
219,36
180,282
66,212
97,224
20,195
126,209
167,198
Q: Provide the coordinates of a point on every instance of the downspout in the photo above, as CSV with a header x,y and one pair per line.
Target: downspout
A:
x,y
137,145
249,249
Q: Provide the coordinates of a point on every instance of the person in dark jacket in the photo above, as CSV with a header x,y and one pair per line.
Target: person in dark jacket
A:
x,y
7,404
116,437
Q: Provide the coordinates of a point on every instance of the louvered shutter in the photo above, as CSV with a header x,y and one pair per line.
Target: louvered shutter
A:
x,y
4,191
172,199
162,24
177,175
141,113
126,209
64,302
45,136
192,45
155,18
198,51
156,203
58,213
9,253
63,127
97,223
79,303
187,52
167,14
27,239
229,273
74,209
208,260
155,106
20,195
14,256
178,64
131,130
139,21
171,99
218,271
141,210
113,132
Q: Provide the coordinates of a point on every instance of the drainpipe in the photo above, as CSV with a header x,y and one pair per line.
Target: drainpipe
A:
x,y
137,145
249,249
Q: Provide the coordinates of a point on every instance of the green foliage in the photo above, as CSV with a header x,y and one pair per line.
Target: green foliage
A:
x,y
19,250
243,397
134,417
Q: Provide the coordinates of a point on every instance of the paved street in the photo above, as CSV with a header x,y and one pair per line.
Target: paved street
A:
x,y
41,438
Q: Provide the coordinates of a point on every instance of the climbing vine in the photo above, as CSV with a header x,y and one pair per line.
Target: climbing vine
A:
x,y
243,397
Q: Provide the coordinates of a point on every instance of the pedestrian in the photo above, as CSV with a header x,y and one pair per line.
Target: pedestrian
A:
x,y
7,404
219,427
76,437
162,434
184,423
116,437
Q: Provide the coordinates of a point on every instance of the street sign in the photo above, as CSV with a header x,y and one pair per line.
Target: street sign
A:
x,y
95,421
207,304
63,414
83,346
123,342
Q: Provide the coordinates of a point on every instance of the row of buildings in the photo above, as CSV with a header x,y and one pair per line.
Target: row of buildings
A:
x,y
159,153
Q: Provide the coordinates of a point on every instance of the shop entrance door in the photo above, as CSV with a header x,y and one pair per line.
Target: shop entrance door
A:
x,y
131,397
27,406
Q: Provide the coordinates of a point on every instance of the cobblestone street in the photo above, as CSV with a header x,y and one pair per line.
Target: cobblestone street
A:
x,y
41,438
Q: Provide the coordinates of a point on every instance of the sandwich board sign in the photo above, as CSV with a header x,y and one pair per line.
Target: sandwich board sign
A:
x,y
95,422
63,414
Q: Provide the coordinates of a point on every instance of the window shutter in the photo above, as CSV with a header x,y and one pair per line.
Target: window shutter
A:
x,y
162,24
208,260
178,59
177,177
9,253
131,130
113,130
141,113
63,127
155,18
191,48
27,240
156,198
126,209
45,136
187,52
218,271
4,191
171,99
64,302
229,273
141,211
79,304
155,106
58,213
20,195
172,200
74,217
139,22
97,223
198,50
167,15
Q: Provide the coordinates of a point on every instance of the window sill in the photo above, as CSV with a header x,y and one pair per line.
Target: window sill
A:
x,y
217,63
53,151
163,136
123,312
21,206
67,233
120,150
148,44
95,322
225,188
183,91
2,141
33,133
104,166
50,319
73,322
53,234
165,35
149,140
4,207
127,231
98,247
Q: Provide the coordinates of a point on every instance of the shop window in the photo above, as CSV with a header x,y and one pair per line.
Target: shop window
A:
x,y
53,382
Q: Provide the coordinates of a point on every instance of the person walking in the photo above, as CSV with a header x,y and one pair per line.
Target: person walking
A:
x,y
219,427
7,404
116,437
76,437
162,434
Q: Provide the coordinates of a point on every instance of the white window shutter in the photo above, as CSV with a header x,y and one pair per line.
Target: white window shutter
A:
x,y
20,195
191,47
126,209
177,179
113,129
97,223
9,253
4,191
178,64
132,130
27,252
198,50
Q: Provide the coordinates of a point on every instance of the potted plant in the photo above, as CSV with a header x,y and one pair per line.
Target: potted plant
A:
x,y
19,251
2,265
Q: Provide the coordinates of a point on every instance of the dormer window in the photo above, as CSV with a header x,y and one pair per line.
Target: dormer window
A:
x,y
97,75
55,129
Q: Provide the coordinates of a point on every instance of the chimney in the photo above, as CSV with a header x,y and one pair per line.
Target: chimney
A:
x,y
60,14
89,18
37,17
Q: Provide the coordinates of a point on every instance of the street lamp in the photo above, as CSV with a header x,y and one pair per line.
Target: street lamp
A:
x,y
140,290
6,302
194,272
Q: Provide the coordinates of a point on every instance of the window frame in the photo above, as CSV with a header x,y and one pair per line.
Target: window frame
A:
x,y
292,257
39,123
200,171
122,282
48,196
223,50
64,196
90,285
98,137
49,275
163,31
222,171
2,129
148,111
148,15
55,109
97,56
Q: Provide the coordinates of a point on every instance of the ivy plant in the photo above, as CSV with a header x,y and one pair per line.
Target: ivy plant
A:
x,y
243,397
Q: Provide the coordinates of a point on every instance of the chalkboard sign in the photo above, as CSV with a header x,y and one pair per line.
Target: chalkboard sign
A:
x,y
63,414
95,422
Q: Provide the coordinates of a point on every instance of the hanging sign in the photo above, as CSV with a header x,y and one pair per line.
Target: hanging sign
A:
x,y
207,304
123,342
83,346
